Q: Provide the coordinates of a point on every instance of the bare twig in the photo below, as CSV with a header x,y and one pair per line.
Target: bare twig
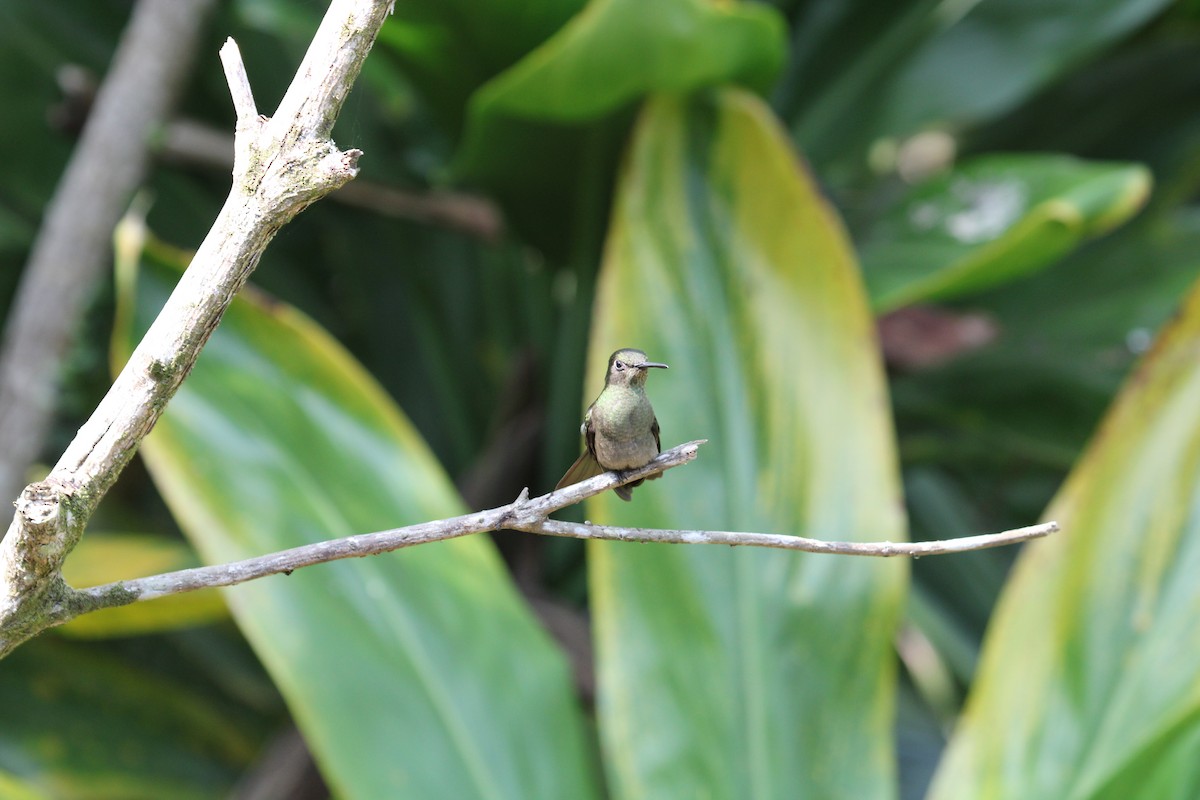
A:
x,y
524,514
514,515
573,530
282,165
239,84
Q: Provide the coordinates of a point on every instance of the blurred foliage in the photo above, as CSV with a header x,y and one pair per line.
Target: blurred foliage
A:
x,y
1034,164
992,219
1103,703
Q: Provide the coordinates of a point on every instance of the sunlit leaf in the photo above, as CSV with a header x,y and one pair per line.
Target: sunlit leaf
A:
x,y
992,219
1087,685
419,673
741,673
15,789
615,52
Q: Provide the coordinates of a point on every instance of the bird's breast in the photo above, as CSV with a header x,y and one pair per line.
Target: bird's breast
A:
x,y
622,423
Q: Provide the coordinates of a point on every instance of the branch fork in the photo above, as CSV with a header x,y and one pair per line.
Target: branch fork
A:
x,y
283,164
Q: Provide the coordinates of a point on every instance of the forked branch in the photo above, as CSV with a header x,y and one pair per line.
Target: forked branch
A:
x,y
282,164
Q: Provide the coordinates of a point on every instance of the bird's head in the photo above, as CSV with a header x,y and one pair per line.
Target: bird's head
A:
x,y
629,367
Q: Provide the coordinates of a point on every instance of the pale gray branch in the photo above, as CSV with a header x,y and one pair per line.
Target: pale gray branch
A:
x,y
282,165
511,516
574,530
524,514
239,84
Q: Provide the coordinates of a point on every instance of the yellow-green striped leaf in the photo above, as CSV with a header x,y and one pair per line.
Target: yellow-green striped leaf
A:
x,y
742,673
1087,686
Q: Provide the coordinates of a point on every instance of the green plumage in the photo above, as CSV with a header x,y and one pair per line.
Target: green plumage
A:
x,y
620,428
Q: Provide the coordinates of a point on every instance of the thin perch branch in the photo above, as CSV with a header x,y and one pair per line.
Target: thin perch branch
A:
x,y
524,514
522,511
574,530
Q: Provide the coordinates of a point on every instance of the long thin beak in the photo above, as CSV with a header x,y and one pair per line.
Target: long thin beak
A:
x,y
650,364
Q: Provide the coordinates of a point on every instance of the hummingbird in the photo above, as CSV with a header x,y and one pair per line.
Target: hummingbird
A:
x,y
620,428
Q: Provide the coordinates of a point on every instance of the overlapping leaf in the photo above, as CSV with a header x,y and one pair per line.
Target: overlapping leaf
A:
x,y
539,131
1087,686
420,673
736,673
992,219
450,48
861,72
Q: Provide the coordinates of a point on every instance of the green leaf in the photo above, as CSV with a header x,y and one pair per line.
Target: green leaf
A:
x,y
106,557
992,219
745,673
81,723
452,47
999,53
1005,425
1087,684
419,673
16,789
528,128
615,52
1149,77
861,72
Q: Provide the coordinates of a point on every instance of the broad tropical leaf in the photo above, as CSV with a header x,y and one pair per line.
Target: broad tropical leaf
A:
x,y
84,722
419,673
741,673
1087,687
861,73
992,219
540,131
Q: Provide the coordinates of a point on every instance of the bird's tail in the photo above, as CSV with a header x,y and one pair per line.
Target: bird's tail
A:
x,y
626,492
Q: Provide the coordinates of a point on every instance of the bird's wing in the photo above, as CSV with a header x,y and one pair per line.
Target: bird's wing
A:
x,y
586,466
589,432
657,446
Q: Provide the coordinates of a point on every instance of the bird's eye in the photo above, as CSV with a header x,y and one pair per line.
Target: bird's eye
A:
x,y
620,365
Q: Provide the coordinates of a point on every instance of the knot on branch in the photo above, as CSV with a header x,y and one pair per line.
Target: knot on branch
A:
x,y
37,541
38,504
288,177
